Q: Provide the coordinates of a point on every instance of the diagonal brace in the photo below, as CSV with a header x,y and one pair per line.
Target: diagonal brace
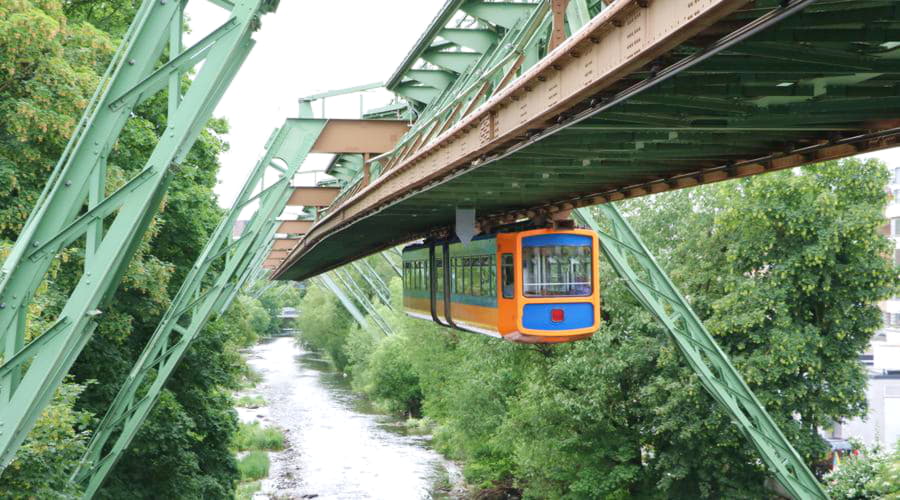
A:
x,y
711,365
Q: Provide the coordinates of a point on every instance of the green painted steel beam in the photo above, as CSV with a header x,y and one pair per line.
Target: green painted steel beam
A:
x,y
448,10
433,78
506,14
374,281
418,93
345,301
362,299
40,367
479,40
651,286
457,62
194,305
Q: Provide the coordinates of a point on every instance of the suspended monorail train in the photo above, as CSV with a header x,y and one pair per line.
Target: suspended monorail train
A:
x,y
530,286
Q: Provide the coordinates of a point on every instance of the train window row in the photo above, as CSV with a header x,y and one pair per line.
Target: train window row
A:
x,y
415,275
474,276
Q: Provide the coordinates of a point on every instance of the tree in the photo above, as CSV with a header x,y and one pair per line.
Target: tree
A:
x,y
51,56
785,269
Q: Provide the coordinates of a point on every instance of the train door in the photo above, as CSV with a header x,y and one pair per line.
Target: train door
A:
x,y
507,301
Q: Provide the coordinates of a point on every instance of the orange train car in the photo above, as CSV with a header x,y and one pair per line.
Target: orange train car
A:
x,y
531,286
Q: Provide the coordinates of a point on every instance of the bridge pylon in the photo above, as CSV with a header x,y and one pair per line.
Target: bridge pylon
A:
x,y
226,263
651,286
113,225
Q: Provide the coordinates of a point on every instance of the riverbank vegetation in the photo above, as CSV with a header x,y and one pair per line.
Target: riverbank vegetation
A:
x,y
52,54
254,466
253,436
785,269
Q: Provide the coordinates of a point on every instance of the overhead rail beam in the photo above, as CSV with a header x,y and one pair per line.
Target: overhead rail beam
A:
x,y
624,108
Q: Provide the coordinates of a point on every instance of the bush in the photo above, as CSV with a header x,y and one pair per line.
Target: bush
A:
x,y
251,402
254,437
245,491
872,474
395,383
254,466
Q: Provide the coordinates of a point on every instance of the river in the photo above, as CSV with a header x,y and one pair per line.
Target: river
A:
x,y
337,446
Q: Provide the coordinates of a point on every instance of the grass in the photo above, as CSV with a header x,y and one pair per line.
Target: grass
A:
x,y
245,491
254,437
254,466
251,402
250,379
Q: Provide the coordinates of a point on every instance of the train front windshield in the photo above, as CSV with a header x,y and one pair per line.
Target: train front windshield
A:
x,y
558,265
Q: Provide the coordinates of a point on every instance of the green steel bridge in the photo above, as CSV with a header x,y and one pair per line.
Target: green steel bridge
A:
x,y
516,109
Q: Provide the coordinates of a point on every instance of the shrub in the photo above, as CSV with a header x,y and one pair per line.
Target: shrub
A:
x,y
872,474
254,466
251,402
254,437
245,491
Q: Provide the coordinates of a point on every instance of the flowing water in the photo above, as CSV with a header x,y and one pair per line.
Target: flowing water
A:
x,y
337,446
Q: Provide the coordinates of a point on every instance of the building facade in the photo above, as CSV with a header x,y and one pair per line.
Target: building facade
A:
x,y
882,359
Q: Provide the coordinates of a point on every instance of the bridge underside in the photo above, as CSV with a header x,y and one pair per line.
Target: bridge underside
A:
x,y
823,83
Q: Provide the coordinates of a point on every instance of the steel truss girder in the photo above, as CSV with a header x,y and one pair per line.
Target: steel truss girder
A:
x,y
79,177
193,306
359,295
345,301
375,282
650,284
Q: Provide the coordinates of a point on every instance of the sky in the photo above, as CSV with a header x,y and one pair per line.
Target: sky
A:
x,y
309,47
302,49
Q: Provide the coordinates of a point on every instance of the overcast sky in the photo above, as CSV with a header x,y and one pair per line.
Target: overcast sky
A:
x,y
302,49
310,47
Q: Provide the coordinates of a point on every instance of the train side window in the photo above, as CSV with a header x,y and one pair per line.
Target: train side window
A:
x,y
485,275
467,275
453,273
439,275
473,276
508,276
492,277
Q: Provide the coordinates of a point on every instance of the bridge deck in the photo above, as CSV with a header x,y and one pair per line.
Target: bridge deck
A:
x,y
819,84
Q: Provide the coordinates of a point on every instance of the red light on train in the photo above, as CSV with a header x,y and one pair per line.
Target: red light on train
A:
x,y
557,315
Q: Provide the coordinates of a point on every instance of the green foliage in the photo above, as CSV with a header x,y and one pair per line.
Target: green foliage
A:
x,y
245,491
871,474
51,56
324,324
254,465
273,297
51,452
254,437
785,269
251,402
392,379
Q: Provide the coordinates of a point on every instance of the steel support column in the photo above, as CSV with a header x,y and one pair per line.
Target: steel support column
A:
x,y
350,284
652,287
348,304
194,305
375,282
31,372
